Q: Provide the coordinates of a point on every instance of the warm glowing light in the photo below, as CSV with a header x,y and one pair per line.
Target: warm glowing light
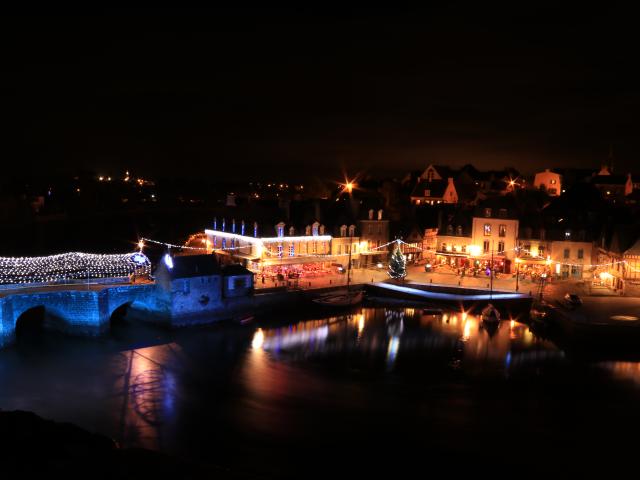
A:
x,y
140,244
467,331
349,187
361,323
258,339
474,250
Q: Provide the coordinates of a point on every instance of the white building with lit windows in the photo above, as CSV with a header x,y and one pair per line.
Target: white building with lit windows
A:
x,y
291,250
495,231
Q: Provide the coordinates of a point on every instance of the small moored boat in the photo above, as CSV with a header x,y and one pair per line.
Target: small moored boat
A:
x,y
346,299
490,314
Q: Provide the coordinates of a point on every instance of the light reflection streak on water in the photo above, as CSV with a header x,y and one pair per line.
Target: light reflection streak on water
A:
x,y
392,351
628,371
388,333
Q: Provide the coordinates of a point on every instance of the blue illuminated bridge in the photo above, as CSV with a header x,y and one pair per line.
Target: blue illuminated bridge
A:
x,y
78,292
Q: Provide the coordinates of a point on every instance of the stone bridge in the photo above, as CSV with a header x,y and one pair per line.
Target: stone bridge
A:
x,y
74,310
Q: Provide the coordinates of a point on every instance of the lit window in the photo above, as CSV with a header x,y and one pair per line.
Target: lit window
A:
x,y
485,246
500,247
487,212
502,231
487,229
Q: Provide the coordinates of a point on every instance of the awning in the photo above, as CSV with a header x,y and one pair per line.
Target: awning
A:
x,y
298,260
534,261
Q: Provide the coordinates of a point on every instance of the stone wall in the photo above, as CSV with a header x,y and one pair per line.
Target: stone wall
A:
x,y
76,312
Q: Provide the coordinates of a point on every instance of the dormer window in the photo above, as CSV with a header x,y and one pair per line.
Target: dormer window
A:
x,y
502,213
449,229
292,231
459,230
280,229
307,230
314,229
567,234
371,214
380,214
352,230
343,231
321,229
487,212
427,193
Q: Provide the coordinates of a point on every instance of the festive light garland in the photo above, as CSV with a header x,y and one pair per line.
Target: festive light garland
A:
x,y
284,239
71,266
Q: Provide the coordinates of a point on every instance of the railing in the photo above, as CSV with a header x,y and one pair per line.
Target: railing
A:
x,y
66,282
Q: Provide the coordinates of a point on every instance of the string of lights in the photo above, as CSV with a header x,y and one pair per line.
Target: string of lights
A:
x,y
398,241
538,257
71,266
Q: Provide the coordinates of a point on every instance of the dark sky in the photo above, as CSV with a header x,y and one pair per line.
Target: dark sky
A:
x,y
249,93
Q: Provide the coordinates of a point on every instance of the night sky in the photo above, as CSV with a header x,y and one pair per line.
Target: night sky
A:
x,y
270,93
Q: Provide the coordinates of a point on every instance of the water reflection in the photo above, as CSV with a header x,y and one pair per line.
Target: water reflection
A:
x,y
227,393
387,332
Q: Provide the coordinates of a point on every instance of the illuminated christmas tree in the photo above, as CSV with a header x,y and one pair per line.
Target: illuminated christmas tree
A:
x,y
397,264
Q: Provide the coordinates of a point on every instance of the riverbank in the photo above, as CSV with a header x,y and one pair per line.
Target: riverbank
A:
x,y
35,445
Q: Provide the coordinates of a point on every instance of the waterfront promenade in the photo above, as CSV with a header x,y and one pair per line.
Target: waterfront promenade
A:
x,y
414,274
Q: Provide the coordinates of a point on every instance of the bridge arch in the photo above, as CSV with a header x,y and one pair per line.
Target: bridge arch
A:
x,y
118,313
30,321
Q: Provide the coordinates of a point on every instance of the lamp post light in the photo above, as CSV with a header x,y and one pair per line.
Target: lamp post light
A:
x,y
517,268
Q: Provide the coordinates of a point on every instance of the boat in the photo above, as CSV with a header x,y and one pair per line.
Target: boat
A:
x,y
346,299
490,314
245,320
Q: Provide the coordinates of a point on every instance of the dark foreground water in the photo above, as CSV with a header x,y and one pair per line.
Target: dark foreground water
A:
x,y
380,389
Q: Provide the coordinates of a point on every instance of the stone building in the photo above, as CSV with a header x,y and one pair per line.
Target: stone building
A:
x,y
189,285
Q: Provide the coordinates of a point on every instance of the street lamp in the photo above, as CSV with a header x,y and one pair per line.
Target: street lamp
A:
x,y
518,261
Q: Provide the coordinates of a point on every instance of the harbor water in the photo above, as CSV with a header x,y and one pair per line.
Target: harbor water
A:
x,y
374,389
